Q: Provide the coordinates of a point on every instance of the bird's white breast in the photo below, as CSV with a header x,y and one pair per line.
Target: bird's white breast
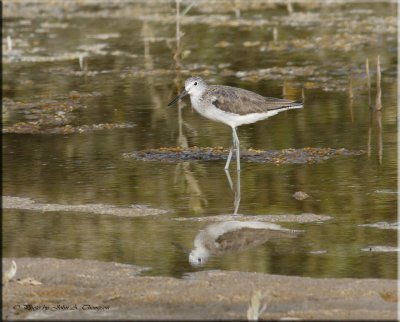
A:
x,y
208,110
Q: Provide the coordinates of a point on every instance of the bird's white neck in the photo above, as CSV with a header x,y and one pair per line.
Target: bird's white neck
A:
x,y
197,92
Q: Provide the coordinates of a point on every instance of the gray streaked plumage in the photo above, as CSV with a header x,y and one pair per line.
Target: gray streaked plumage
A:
x,y
241,101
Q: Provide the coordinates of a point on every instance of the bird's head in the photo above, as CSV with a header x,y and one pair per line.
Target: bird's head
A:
x,y
198,256
193,86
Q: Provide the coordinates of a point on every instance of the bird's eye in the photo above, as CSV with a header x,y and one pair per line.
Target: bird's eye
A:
x,y
195,83
199,260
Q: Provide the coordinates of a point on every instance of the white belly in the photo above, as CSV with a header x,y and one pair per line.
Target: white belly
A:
x,y
231,119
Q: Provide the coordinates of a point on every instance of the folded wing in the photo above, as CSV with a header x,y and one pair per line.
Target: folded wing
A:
x,y
242,102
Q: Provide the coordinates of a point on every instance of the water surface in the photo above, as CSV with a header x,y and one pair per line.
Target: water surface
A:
x,y
128,75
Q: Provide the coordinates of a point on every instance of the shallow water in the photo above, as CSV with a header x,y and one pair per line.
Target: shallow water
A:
x,y
130,77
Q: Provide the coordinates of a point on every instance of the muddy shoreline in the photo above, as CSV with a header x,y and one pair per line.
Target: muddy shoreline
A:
x,y
88,289
11,202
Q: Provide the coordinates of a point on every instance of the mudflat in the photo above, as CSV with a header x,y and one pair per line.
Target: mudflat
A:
x,y
49,288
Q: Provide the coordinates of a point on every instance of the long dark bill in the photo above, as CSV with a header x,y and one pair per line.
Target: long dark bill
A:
x,y
181,95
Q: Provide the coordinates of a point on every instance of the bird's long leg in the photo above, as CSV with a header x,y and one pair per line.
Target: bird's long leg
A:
x,y
230,153
229,158
236,143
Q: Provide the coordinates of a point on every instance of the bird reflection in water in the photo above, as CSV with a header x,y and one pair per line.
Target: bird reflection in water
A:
x,y
234,236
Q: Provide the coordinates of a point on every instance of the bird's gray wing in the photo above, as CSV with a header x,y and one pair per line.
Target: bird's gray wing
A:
x,y
241,101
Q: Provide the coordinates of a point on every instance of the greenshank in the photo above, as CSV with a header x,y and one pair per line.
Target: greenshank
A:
x,y
232,106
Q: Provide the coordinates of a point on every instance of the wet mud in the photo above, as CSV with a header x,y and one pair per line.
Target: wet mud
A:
x,y
53,116
86,290
9,202
300,218
382,225
178,154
